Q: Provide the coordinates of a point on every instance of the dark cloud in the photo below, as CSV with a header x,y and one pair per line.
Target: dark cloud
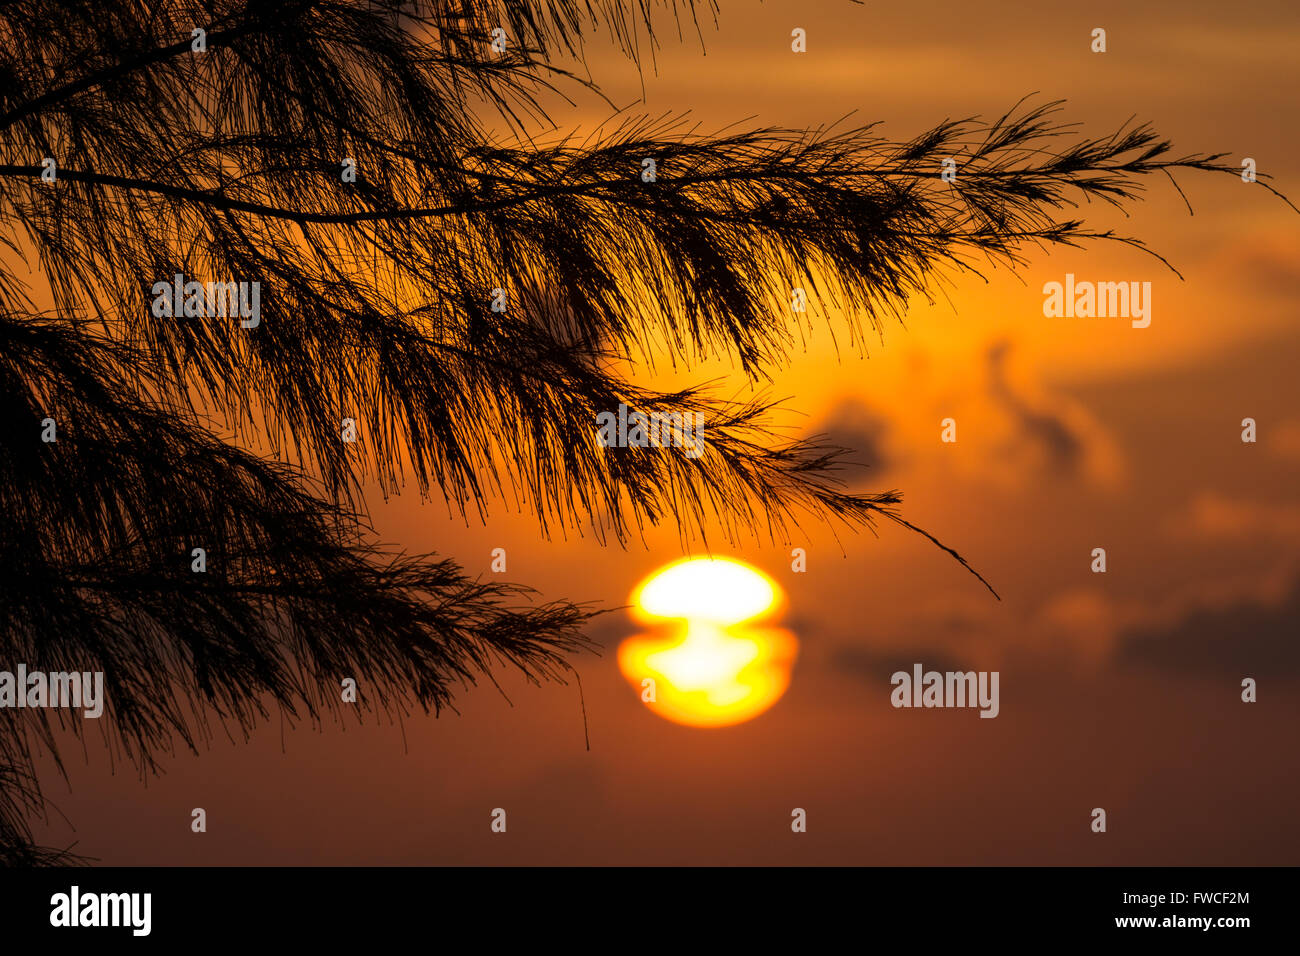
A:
x,y
852,424
1063,448
607,630
1246,639
877,665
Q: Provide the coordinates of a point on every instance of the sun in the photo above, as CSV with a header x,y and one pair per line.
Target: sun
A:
x,y
708,662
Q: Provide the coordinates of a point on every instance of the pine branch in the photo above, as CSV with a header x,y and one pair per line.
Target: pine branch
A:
x,y
96,538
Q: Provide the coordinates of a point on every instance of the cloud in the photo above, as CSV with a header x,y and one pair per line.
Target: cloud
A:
x,y
877,665
1056,435
1245,639
1283,440
1062,448
854,425
1226,617
1086,621
607,630
1216,517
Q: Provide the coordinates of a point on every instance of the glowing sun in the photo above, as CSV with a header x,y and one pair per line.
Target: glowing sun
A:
x,y
708,663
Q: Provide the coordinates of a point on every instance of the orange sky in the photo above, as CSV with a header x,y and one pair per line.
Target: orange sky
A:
x,y
1118,690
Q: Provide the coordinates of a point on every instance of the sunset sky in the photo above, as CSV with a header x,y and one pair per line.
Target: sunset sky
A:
x,y
1118,690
